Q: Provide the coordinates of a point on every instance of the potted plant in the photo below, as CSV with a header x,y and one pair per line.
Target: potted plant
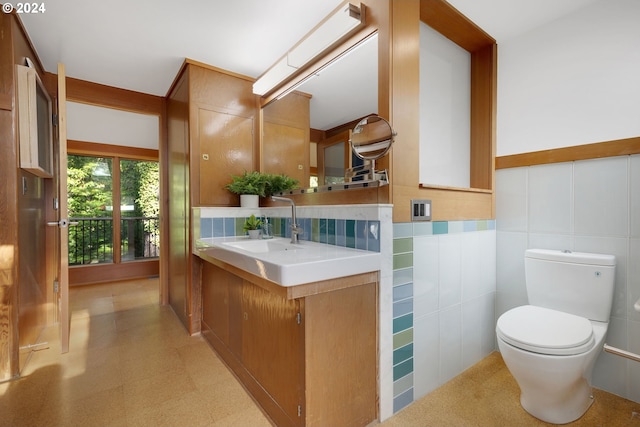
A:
x,y
252,226
277,183
250,184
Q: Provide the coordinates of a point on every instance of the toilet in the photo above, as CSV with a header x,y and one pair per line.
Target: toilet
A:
x,y
550,346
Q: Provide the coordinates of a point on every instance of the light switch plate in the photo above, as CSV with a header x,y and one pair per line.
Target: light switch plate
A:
x,y
420,210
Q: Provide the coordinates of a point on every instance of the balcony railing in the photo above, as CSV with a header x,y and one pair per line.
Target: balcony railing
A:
x,y
91,240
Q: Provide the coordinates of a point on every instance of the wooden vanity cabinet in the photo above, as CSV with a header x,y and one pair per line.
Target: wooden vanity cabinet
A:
x,y
308,357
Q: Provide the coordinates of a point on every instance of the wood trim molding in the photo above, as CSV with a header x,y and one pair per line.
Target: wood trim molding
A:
x,y
619,147
109,150
91,93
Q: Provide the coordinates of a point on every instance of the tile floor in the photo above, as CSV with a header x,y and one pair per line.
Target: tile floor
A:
x,y
131,363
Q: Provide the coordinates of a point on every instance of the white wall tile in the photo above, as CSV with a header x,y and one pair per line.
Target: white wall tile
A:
x,y
633,280
550,198
610,371
551,241
601,197
510,248
426,350
511,199
478,264
477,329
634,192
425,275
450,343
450,277
633,330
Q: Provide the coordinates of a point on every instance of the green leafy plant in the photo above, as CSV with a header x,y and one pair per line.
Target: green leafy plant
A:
x,y
262,184
248,183
276,183
251,223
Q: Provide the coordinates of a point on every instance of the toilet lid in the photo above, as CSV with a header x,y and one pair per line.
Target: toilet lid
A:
x,y
546,331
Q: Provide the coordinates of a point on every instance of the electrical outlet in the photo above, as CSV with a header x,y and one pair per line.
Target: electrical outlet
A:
x,y
420,210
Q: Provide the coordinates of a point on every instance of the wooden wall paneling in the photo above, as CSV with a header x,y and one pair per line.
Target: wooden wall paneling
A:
x,y
224,148
483,113
223,115
178,248
448,21
404,114
105,273
619,147
8,209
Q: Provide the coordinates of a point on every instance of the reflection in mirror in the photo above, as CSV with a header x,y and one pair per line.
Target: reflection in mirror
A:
x,y
370,140
334,163
339,94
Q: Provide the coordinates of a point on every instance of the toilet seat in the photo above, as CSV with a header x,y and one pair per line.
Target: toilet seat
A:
x,y
545,331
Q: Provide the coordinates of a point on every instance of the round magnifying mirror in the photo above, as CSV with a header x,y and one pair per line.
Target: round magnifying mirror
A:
x,y
371,138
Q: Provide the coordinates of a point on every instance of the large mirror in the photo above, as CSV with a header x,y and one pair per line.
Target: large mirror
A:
x,y
337,98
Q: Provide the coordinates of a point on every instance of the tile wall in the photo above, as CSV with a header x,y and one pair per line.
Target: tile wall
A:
x,y
444,284
588,206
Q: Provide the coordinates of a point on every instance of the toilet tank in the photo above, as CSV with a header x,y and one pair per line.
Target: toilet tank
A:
x,y
573,282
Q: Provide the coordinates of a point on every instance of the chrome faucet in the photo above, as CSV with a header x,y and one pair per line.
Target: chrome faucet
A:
x,y
295,229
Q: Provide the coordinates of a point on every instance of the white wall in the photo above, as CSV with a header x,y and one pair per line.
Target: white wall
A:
x,y
90,123
445,110
573,81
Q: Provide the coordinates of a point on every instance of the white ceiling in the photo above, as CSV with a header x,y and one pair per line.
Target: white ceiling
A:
x,y
141,44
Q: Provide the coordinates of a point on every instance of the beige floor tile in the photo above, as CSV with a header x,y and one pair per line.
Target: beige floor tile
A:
x,y
132,363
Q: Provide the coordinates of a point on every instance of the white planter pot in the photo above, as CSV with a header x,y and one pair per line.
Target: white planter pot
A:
x,y
254,234
249,200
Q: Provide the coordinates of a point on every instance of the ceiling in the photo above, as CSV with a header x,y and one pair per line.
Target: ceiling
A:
x,y
141,44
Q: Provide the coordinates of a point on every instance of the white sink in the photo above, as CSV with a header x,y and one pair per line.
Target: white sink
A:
x,y
261,246
287,264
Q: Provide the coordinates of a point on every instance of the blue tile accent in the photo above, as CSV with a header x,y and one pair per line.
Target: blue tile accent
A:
x,y
470,226
402,369
440,227
229,227
402,400
402,292
323,230
341,232
206,227
402,354
350,233
400,308
218,227
361,234
331,231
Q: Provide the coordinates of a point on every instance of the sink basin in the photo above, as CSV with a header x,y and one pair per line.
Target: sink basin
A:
x,y
262,246
287,264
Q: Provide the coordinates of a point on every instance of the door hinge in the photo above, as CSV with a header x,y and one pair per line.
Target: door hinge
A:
x,y
54,119
299,318
56,286
299,410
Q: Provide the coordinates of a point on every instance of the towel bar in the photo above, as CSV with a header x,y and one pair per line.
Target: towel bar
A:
x,y
623,353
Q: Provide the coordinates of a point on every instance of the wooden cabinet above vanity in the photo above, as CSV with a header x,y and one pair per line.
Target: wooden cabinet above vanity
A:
x,y
307,353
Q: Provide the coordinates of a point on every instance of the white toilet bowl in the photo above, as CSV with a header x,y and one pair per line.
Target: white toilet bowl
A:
x,y
551,355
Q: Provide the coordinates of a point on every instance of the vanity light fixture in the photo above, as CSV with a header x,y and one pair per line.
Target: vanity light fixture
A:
x,y
333,29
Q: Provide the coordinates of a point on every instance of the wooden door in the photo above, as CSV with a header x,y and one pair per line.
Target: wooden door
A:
x,y
63,219
273,348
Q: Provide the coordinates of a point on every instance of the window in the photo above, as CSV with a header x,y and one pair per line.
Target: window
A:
x,y
114,204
